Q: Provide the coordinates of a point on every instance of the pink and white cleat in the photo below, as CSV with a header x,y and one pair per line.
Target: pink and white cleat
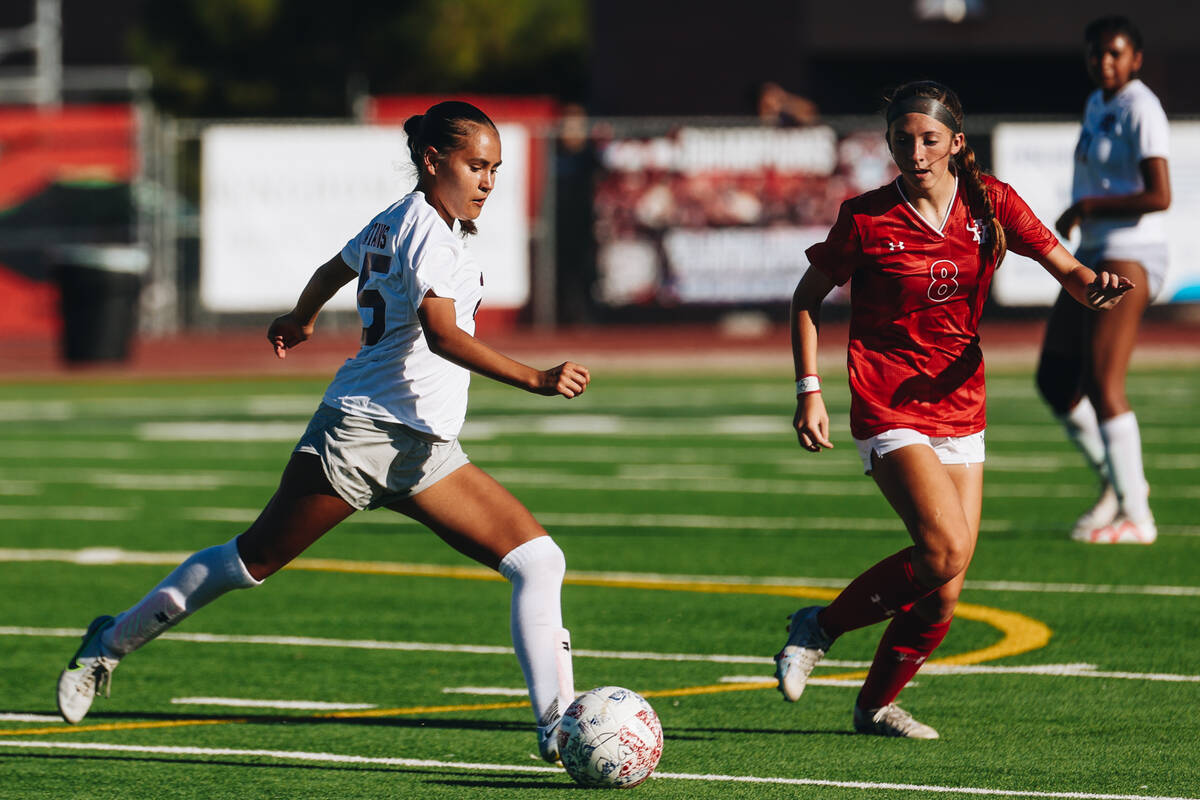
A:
x,y
1121,530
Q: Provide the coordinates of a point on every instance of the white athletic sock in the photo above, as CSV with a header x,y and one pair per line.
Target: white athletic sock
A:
x,y
536,569
199,580
1123,442
1083,428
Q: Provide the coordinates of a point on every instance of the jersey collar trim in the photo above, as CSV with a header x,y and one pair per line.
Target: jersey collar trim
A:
x,y
938,231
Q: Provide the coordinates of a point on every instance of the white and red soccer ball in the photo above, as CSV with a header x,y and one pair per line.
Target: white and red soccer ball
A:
x,y
610,737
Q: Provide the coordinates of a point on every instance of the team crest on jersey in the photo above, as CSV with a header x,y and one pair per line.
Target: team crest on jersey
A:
x,y
979,230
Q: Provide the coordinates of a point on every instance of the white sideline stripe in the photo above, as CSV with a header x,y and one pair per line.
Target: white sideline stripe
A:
x,y
854,684
684,521
1058,670
114,555
244,515
30,718
84,513
496,691
1069,670
483,426
302,705
338,758
850,485
370,644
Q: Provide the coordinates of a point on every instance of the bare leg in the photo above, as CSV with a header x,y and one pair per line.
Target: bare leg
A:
x,y
912,636
304,508
1114,335
480,518
939,505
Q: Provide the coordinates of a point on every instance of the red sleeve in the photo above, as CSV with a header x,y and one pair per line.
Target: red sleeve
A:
x,y
1025,233
841,253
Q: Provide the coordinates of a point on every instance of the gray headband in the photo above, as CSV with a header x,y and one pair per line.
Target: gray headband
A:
x,y
916,104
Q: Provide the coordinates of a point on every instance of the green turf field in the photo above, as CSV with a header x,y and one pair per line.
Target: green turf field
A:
x,y
692,525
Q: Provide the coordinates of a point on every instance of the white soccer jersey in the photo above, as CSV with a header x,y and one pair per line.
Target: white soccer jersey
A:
x,y
1117,136
402,254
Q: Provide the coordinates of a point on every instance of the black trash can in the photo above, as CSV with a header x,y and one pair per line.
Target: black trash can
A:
x,y
99,287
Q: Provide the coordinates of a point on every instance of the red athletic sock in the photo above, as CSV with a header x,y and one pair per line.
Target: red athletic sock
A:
x,y
906,644
887,589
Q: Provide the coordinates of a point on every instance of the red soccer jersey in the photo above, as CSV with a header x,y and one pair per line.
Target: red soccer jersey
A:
x,y
916,294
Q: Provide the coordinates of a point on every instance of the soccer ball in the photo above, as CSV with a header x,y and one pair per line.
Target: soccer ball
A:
x,y
610,737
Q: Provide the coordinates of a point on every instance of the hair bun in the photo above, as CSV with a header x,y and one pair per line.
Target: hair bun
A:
x,y
412,125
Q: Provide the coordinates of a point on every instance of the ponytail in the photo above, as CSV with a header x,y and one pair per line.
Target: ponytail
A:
x,y
979,201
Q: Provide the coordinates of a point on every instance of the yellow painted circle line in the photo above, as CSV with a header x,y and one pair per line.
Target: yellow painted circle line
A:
x,y
1021,634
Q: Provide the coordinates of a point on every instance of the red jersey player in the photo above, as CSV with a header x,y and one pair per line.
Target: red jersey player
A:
x,y
920,254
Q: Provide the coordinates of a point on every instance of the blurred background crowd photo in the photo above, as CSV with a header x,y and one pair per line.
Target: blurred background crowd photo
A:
x,y
174,169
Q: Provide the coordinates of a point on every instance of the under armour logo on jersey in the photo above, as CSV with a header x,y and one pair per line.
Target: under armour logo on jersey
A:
x,y
978,230
894,246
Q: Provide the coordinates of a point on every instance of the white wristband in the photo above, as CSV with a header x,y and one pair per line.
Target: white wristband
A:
x,y
808,384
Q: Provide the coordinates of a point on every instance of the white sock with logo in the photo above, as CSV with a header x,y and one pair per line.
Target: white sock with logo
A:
x,y
1123,442
536,569
1083,428
199,580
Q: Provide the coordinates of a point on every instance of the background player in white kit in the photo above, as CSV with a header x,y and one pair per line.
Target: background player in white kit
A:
x,y
1121,186
386,432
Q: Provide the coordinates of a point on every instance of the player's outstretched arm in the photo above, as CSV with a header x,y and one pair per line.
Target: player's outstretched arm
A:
x,y
1096,290
454,344
290,329
811,420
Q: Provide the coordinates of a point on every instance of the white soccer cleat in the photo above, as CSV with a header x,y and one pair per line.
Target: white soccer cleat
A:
x,y
806,645
547,731
1105,510
891,720
547,736
88,672
1121,530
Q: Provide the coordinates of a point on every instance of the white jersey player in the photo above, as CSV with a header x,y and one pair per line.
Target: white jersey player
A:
x,y
1121,190
386,432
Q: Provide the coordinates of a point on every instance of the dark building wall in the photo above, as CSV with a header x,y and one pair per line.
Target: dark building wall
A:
x,y
1020,56
658,57
94,33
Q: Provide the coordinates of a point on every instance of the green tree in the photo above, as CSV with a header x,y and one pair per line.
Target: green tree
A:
x,y
307,58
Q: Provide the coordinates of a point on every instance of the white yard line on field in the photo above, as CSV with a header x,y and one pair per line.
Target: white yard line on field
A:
x,y
839,682
108,556
421,763
1064,670
244,516
487,691
79,513
295,705
1061,670
30,718
673,479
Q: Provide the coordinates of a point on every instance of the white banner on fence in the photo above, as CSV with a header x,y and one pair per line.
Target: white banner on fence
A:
x,y
279,200
1037,159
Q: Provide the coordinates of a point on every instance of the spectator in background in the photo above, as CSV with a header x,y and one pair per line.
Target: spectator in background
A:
x,y
575,164
1121,186
779,108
